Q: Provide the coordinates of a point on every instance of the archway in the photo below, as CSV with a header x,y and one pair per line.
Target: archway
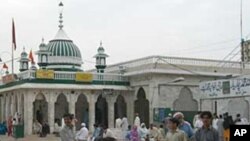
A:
x,y
142,106
40,108
82,111
61,107
120,107
238,106
185,101
101,111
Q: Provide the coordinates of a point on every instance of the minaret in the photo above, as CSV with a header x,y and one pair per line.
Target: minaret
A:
x,y
43,55
100,59
24,61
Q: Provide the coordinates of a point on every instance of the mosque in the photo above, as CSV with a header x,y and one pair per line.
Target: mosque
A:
x,y
150,86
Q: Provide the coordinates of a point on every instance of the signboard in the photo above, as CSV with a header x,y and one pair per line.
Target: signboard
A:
x,y
45,74
8,78
84,77
161,113
226,87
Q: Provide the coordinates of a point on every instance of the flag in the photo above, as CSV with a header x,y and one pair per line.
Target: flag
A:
x,y
31,57
5,66
13,35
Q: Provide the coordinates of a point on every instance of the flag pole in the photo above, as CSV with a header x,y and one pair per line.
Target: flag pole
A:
x,y
12,59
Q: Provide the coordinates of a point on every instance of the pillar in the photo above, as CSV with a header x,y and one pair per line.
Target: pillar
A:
x,y
72,103
1,110
92,101
51,112
19,107
28,113
12,107
130,107
152,97
111,109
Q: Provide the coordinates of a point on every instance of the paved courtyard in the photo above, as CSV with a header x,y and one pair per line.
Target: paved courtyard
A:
x,y
30,138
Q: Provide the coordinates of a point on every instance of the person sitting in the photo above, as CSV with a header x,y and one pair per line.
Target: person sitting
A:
x,y
82,135
37,127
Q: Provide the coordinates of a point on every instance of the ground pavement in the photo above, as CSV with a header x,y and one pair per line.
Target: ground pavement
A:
x,y
30,138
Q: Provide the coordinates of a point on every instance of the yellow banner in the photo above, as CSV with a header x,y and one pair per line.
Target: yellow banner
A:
x,y
45,74
84,77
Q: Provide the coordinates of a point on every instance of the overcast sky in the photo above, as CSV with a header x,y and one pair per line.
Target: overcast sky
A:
x,y
129,29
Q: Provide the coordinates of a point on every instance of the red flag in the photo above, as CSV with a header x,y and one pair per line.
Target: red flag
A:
x,y
5,66
31,57
13,35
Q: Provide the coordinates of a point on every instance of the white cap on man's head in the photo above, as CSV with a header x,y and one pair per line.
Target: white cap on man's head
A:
x,y
83,125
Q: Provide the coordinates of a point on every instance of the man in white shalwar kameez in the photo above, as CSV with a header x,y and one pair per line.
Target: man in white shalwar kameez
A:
x,y
82,135
137,121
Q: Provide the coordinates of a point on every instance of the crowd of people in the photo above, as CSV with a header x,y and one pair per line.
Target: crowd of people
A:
x,y
205,127
9,125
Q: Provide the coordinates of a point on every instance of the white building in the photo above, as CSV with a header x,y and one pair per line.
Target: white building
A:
x,y
100,96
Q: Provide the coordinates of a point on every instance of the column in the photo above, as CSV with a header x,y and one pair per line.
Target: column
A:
x,y
92,102
12,108
130,107
7,107
152,101
1,113
72,103
19,106
111,109
51,112
28,113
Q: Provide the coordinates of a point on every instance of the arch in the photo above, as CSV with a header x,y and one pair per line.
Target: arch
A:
x,y
238,106
61,107
40,108
101,111
142,106
120,107
82,111
44,59
185,101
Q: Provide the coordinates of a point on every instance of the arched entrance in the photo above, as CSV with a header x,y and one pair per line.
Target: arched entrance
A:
x,y
82,111
142,106
238,106
40,108
185,102
101,111
61,107
120,107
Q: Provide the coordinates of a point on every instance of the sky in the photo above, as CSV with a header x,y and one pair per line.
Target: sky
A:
x,y
129,29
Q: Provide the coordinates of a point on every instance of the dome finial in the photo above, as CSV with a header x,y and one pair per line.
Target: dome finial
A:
x,y
23,48
101,43
60,15
42,40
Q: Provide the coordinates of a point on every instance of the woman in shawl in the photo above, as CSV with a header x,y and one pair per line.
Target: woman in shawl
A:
x,y
134,134
143,131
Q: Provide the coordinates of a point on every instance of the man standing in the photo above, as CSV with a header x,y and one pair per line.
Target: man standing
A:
x,y
207,132
184,125
82,135
174,134
67,132
137,121
220,127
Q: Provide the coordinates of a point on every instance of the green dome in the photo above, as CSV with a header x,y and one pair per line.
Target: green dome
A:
x,y
64,54
63,48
